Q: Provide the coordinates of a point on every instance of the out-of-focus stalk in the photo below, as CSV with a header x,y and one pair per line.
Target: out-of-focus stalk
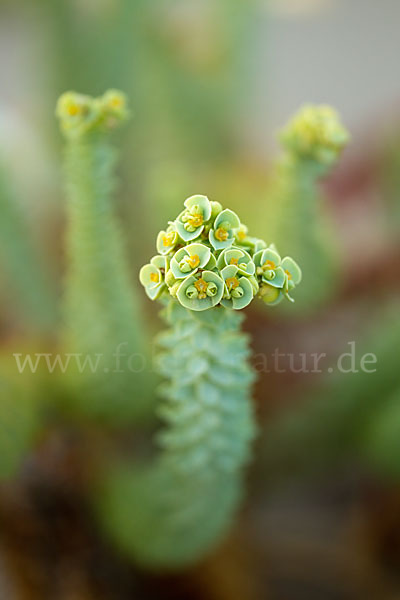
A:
x,y
101,316
294,215
186,500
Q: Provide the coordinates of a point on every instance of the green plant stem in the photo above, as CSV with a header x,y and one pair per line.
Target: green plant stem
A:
x,y
173,512
299,226
100,310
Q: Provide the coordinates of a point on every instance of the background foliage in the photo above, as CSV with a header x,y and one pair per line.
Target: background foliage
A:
x,y
323,490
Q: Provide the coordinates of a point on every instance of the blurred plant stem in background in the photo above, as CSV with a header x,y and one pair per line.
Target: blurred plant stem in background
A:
x,y
189,58
296,219
294,213
102,315
184,64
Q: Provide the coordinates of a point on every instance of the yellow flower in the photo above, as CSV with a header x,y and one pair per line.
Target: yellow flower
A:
x,y
201,286
196,220
232,283
193,261
221,234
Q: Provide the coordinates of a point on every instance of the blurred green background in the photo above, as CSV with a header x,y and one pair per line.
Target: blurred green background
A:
x,y
210,83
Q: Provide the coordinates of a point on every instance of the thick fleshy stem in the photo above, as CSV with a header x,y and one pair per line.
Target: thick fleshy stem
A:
x,y
313,141
101,314
188,497
299,224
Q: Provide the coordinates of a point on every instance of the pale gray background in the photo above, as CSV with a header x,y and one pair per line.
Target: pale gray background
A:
x,y
345,52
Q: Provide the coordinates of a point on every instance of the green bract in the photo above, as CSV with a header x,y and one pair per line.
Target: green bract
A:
x,y
190,223
167,240
241,237
206,258
258,244
268,265
222,234
152,276
238,257
238,290
189,259
293,275
277,277
201,292
270,295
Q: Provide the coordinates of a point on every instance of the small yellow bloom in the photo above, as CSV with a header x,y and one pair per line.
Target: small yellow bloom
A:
x,y
234,261
221,234
168,239
193,261
74,109
116,102
201,286
232,283
269,264
196,220
155,277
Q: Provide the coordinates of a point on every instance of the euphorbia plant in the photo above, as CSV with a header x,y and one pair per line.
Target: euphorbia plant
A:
x,y
208,268
100,312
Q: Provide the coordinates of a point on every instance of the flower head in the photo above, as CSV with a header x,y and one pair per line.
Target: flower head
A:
x,y
77,113
239,258
167,240
241,235
199,265
189,259
276,274
114,104
222,234
152,276
238,289
80,114
268,267
192,220
201,292
316,132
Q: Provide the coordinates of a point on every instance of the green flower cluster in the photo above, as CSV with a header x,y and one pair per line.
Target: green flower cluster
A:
x,y
80,114
206,258
316,133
